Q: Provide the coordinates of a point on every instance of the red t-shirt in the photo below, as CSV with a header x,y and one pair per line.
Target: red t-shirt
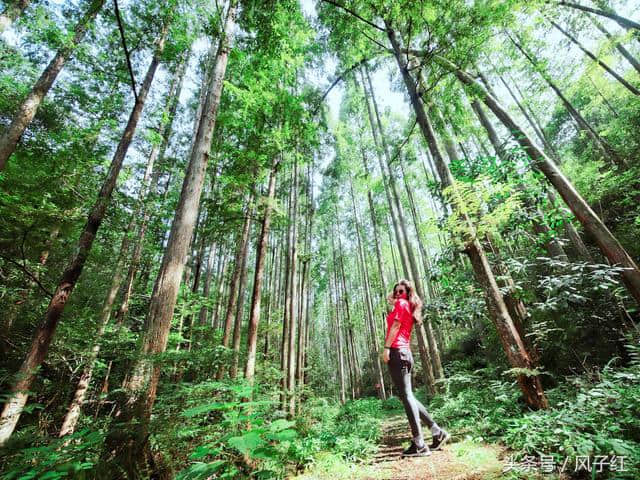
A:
x,y
402,311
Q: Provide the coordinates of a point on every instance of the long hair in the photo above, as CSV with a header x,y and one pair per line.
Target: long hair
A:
x,y
414,300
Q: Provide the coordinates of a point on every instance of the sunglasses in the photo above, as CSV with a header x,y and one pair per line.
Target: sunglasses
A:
x,y
399,292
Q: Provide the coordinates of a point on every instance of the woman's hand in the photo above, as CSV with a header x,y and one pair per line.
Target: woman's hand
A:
x,y
385,355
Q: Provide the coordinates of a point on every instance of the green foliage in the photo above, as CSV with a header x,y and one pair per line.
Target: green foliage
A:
x,y
73,456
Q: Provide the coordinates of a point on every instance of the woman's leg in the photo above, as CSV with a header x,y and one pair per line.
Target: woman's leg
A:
x,y
424,415
402,380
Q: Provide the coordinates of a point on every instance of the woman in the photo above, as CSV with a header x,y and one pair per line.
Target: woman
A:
x,y
397,354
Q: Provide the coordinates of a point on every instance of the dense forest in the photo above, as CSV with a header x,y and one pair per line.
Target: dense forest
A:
x,y
204,207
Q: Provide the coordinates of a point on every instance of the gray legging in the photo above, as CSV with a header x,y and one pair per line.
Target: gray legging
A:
x,y
400,364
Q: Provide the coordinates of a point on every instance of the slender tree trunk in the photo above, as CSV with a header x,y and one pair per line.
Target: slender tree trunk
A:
x,y
28,108
42,339
625,23
73,414
512,342
551,244
156,158
428,349
367,300
234,291
11,13
607,152
633,61
130,441
261,253
291,363
593,225
593,57
237,326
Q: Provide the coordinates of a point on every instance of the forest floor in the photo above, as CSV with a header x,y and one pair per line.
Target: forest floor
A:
x,y
460,459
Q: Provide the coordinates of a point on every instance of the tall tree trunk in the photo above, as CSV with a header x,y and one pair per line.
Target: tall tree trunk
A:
x,y
11,13
429,353
237,326
606,150
156,159
73,414
234,291
593,225
593,57
367,300
633,61
625,23
28,108
261,253
130,441
553,247
42,339
293,249
512,342
374,225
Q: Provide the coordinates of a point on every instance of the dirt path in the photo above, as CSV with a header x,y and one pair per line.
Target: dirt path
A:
x,y
458,460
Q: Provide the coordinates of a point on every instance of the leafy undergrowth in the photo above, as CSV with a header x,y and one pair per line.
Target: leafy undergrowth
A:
x,y
594,416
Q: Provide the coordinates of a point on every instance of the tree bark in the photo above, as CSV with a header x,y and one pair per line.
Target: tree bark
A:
x,y
625,23
44,335
367,300
73,414
156,158
28,108
237,326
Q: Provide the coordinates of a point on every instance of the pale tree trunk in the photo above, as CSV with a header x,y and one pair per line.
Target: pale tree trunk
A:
x,y
128,443
512,342
625,23
28,108
222,270
602,64
429,352
406,252
11,13
339,341
385,175
261,253
338,350
592,224
570,230
553,247
354,369
606,150
374,225
368,302
534,125
44,335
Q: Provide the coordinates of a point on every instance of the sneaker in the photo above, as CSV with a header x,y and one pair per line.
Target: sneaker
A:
x,y
414,451
439,440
